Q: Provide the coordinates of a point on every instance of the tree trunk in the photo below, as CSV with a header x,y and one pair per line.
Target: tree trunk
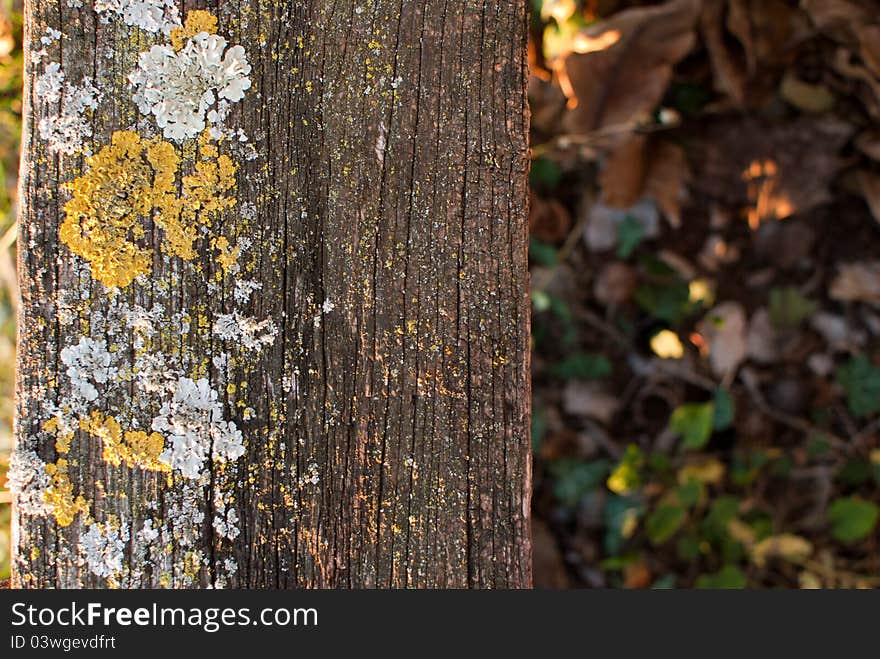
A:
x,y
273,335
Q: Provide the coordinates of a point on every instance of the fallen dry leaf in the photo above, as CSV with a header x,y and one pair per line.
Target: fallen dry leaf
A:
x,y
792,548
870,185
838,18
590,400
857,282
805,96
647,166
547,564
869,144
619,85
668,176
837,332
724,330
869,46
729,72
623,175
763,339
767,30
615,284
549,220
601,232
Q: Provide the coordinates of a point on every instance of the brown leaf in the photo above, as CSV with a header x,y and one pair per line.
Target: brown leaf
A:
x,y
869,144
644,166
730,75
857,282
667,179
837,18
767,30
869,46
547,564
615,284
870,184
590,400
620,84
549,220
622,179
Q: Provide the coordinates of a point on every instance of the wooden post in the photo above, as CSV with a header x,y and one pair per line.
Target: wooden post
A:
x,y
275,317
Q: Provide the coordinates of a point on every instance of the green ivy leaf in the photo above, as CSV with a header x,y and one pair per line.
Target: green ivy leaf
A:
x,y
693,423
861,381
625,478
575,478
852,519
729,577
788,308
629,234
542,253
545,174
723,414
583,366
663,522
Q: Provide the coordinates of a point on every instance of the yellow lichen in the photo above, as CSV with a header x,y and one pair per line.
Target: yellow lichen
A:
x,y
126,180
135,448
197,21
62,440
228,256
134,179
59,495
204,190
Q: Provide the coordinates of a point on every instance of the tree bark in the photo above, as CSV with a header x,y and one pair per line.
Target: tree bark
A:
x,y
299,360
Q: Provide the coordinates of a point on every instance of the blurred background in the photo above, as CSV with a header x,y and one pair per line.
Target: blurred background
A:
x,y
10,130
705,257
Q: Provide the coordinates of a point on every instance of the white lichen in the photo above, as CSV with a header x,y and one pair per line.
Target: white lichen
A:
x,y
148,533
88,363
192,422
179,88
225,521
50,83
27,480
65,128
103,549
247,332
244,288
50,36
149,15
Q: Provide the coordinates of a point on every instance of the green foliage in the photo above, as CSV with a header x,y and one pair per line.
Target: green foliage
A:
x,y
629,234
625,477
730,577
665,295
662,523
860,379
538,429
724,410
621,515
669,302
542,253
690,493
545,174
788,308
693,423
852,519
855,472
583,366
575,478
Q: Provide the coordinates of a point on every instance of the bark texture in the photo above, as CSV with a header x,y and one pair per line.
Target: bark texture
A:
x,y
355,306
